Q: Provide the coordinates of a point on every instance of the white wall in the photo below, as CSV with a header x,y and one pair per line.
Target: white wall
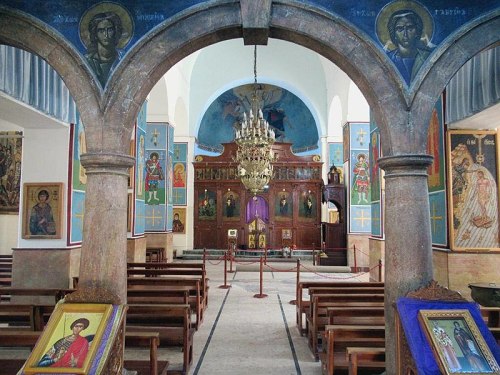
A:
x,y
45,159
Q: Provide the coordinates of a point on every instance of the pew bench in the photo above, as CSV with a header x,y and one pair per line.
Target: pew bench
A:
x,y
43,295
151,271
317,316
338,338
167,282
149,340
372,358
302,305
28,339
172,322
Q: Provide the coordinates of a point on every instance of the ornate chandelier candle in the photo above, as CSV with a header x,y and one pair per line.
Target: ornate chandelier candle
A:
x,y
254,137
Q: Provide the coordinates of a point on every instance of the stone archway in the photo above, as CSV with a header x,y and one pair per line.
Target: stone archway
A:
x,y
108,116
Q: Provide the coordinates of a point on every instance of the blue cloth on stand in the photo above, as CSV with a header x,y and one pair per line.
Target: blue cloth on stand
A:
x,y
420,348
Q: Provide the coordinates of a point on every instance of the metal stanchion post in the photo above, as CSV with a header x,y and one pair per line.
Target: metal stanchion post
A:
x,y
380,270
231,256
225,286
294,301
265,255
261,295
314,256
355,261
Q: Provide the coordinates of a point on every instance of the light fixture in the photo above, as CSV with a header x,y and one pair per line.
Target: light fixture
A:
x,y
255,138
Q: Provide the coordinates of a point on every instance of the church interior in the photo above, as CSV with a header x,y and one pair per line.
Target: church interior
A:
x,y
359,138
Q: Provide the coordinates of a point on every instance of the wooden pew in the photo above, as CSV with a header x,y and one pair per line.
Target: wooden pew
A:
x,y
360,357
317,317
171,269
152,341
338,338
161,265
158,294
303,305
338,314
56,293
495,331
17,317
172,322
192,283
491,315
23,338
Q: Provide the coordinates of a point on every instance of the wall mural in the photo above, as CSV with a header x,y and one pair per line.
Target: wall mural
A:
x,y
140,172
170,179
436,176
473,189
105,29
407,31
180,174
375,180
10,171
156,176
358,134
290,118
76,201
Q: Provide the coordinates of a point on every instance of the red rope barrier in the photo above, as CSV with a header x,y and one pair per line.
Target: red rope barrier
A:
x,y
242,262
340,278
215,263
278,270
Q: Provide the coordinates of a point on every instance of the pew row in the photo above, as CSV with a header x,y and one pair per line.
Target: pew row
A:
x,y
172,322
302,305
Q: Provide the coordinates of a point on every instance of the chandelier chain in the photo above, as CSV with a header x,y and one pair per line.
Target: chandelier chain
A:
x,y
255,66
255,138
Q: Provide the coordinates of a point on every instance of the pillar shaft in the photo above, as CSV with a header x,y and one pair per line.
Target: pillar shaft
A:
x,y
103,264
408,249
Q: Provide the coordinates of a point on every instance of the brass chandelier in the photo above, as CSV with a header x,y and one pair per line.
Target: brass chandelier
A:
x,y
255,138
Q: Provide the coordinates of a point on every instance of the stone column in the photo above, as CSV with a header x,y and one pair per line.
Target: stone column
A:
x,y
103,264
408,245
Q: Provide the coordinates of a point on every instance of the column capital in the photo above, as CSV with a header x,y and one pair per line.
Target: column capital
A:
x,y
405,165
106,163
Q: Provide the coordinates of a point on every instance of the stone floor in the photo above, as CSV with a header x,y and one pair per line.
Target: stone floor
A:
x,y
242,334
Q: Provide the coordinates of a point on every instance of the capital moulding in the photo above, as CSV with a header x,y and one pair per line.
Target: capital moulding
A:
x,y
405,165
107,163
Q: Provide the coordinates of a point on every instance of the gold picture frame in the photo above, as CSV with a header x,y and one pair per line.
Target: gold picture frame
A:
x,y
42,210
87,322
179,220
457,343
473,179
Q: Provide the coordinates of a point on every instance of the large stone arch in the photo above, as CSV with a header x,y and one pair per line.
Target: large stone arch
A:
x,y
208,24
28,33
463,45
